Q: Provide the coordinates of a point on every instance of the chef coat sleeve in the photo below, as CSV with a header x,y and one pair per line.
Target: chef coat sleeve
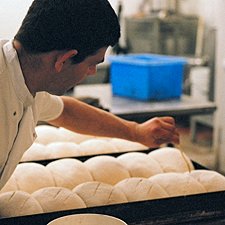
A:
x,y
48,106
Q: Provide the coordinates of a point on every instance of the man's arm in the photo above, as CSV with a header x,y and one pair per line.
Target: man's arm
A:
x,y
83,118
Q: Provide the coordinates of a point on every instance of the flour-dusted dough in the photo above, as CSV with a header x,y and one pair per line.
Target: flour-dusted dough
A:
x,y
70,136
97,193
36,151
96,146
47,134
211,180
32,176
106,169
171,159
63,149
138,189
139,164
18,203
11,185
57,198
123,145
178,184
69,173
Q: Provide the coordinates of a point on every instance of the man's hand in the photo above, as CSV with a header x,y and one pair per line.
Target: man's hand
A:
x,y
157,131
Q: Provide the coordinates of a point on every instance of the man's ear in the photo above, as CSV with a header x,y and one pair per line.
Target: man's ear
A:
x,y
63,57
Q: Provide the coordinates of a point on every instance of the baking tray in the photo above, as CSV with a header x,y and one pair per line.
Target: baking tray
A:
x,y
192,209
86,157
206,208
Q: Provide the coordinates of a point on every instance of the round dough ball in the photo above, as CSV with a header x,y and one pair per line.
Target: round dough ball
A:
x,y
172,159
69,173
139,164
123,145
36,151
97,193
139,189
70,136
178,184
47,134
32,176
211,180
57,198
11,185
63,149
96,146
106,169
18,203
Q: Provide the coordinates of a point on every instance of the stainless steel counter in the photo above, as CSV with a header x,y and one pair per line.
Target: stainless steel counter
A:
x,y
127,108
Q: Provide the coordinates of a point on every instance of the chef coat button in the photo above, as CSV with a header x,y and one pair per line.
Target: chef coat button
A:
x,y
14,113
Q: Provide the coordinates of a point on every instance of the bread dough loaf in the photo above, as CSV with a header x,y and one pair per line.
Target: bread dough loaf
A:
x,y
211,180
69,173
96,146
97,193
47,134
32,176
138,189
178,184
36,151
57,198
123,145
172,159
70,136
18,203
63,149
139,164
11,185
106,169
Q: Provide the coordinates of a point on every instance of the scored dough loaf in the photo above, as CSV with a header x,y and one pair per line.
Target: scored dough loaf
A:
x,y
138,189
139,164
71,136
172,159
11,185
47,134
96,146
211,180
57,198
106,169
178,184
63,149
97,193
36,151
18,203
69,173
123,145
32,176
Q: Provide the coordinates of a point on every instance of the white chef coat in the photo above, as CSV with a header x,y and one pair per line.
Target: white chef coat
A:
x,y
19,111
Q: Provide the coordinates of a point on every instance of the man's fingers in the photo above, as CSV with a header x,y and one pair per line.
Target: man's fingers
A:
x,y
166,135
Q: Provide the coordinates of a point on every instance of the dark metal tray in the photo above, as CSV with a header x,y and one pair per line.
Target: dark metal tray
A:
x,y
198,209
193,209
86,157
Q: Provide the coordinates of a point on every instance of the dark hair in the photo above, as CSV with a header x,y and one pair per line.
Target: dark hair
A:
x,y
84,25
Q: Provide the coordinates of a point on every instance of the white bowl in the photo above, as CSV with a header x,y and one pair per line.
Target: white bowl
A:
x,y
87,219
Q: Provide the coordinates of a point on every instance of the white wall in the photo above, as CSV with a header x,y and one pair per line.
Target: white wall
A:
x,y
11,16
219,137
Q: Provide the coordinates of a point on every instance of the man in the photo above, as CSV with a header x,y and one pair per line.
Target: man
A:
x,y
59,43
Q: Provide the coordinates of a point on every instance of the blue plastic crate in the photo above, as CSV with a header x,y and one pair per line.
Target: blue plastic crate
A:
x,y
147,76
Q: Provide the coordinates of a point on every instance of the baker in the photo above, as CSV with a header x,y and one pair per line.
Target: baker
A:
x,y
59,43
